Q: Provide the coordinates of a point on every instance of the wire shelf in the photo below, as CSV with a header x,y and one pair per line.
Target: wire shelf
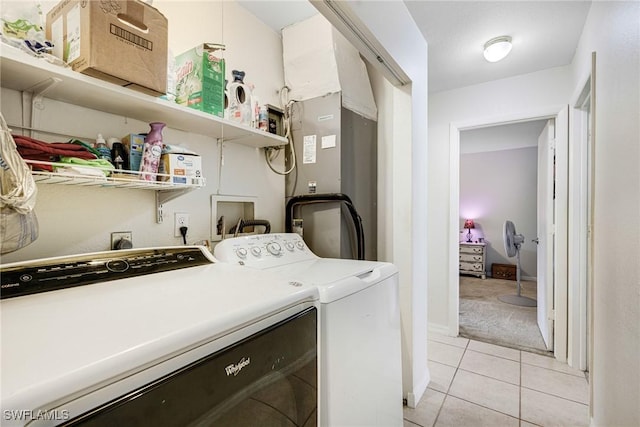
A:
x,y
67,174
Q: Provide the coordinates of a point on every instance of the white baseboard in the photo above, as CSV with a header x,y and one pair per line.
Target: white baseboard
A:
x,y
438,329
413,398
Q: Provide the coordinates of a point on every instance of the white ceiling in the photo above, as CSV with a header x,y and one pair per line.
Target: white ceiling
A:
x,y
278,14
545,34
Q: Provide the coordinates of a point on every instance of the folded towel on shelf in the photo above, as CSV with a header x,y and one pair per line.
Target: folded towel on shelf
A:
x,y
86,146
98,167
33,149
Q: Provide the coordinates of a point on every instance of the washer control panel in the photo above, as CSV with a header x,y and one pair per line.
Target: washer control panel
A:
x,y
263,250
66,272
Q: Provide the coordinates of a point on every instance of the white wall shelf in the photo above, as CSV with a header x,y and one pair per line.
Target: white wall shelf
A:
x,y
43,177
22,72
63,174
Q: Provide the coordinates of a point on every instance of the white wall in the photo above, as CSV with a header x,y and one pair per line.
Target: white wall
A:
x,y
496,186
503,137
76,219
612,31
528,96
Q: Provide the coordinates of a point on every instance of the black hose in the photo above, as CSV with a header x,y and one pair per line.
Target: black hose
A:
x,y
328,198
252,222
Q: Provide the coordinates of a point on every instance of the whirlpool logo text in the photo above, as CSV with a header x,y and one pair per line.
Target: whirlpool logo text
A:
x,y
234,369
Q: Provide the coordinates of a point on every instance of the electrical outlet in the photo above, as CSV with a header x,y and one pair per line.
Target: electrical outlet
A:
x,y
120,237
182,220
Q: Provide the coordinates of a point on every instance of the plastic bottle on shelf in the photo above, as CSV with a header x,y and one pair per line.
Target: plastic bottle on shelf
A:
x,y
263,118
118,153
151,152
247,112
239,99
101,146
255,109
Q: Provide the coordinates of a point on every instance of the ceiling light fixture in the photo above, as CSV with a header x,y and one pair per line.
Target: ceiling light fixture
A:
x,y
497,48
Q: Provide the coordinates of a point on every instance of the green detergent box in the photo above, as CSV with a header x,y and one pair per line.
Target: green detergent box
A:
x,y
200,78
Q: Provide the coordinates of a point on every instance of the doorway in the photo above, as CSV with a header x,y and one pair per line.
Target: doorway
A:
x,y
558,310
498,181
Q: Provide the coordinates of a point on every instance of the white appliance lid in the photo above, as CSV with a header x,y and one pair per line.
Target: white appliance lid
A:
x,y
336,278
288,255
57,342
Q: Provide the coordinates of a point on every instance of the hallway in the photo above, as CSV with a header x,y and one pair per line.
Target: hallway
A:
x,y
479,384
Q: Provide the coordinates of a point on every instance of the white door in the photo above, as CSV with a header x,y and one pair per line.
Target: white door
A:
x,y
546,171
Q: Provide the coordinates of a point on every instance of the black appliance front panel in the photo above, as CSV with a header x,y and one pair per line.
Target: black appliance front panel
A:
x,y
267,379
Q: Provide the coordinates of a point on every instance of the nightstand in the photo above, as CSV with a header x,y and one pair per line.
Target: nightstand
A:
x,y
472,259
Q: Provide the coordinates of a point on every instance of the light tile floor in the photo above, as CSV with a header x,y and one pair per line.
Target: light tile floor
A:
x,y
479,384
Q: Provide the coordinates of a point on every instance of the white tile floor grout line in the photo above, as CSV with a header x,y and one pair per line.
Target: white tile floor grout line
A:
x,y
557,396
494,355
487,376
478,404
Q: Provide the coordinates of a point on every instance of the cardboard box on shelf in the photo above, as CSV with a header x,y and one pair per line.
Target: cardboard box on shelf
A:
x,y
134,143
182,168
200,78
120,41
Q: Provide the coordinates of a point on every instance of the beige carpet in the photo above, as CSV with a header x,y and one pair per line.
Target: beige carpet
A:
x,y
485,318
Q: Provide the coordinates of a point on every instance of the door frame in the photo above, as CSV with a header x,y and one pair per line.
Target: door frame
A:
x,y
581,202
580,237
557,112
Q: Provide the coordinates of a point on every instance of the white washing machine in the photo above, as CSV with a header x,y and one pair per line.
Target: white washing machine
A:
x,y
360,348
155,337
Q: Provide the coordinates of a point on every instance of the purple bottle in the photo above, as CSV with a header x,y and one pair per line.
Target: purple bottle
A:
x,y
151,152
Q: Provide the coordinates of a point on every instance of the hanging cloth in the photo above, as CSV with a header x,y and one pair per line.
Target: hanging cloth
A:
x,y
18,222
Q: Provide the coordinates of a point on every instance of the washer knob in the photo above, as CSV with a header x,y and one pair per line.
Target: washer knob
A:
x,y
256,251
241,252
289,246
300,244
117,265
274,248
